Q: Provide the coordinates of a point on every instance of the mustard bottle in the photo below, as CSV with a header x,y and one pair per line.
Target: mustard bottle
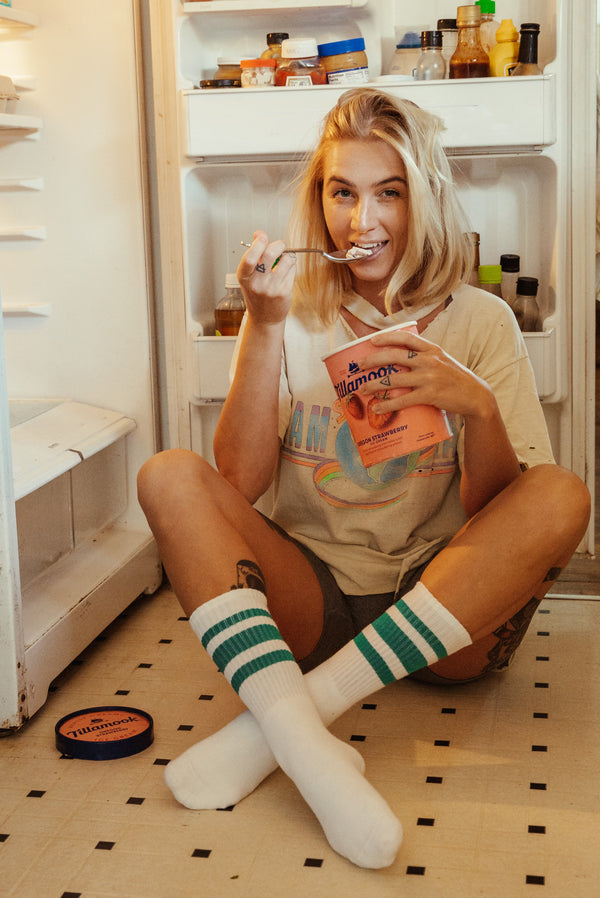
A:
x,y
505,54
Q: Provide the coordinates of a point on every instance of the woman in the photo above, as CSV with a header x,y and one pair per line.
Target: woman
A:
x,y
429,566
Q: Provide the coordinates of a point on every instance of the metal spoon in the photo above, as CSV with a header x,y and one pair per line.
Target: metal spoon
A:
x,y
337,255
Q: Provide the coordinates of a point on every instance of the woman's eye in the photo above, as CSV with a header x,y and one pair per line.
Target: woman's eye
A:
x,y
342,193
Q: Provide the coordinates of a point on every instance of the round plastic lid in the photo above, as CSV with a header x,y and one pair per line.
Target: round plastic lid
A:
x,y
352,45
299,48
490,274
527,286
104,733
258,63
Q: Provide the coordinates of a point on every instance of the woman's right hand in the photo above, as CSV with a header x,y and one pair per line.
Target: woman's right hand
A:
x,y
267,287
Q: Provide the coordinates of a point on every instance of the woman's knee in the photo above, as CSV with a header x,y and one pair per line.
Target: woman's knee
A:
x,y
163,475
561,498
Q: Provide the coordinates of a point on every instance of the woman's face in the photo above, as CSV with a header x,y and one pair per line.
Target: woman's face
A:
x,y
365,203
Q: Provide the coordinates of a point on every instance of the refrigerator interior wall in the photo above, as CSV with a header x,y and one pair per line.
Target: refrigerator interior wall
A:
x,y
75,303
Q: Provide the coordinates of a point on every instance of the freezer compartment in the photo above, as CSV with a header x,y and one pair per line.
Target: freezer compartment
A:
x,y
479,114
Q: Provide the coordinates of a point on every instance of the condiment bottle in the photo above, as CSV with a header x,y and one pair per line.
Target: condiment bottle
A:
x,y
230,309
490,278
274,40
509,263
525,306
431,65
474,276
449,30
300,65
504,56
469,60
528,51
407,54
345,61
489,25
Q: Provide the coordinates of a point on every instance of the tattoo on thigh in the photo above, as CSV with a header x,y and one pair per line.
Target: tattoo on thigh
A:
x,y
552,574
510,635
249,576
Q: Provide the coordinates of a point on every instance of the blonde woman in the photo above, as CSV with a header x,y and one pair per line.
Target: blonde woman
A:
x,y
427,566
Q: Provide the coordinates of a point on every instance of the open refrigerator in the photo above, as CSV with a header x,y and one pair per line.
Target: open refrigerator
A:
x,y
148,186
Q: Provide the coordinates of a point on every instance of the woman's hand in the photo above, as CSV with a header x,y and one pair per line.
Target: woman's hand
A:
x,y
267,279
432,376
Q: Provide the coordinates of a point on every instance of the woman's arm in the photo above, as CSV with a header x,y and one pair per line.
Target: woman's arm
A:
x,y
246,443
435,378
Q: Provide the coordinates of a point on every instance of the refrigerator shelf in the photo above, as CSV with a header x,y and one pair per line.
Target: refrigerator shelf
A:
x,y
16,18
12,121
51,436
27,310
265,5
493,114
35,232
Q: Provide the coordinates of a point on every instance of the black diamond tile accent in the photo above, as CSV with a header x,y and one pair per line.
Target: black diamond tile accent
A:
x,y
425,821
542,657
201,852
71,895
434,779
134,800
415,871
165,641
313,862
144,664
183,618
535,880
542,715
542,685
443,742
122,692
357,738
4,837
539,748
448,710
536,829
369,707
540,787
205,698
36,793
186,727
161,762
543,633
105,846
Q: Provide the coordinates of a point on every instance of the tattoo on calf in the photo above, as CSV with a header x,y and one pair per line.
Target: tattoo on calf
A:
x,y
249,576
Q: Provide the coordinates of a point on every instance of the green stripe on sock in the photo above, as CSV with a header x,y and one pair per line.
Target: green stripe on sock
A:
x,y
374,658
402,645
249,638
428,635
233,619
258,664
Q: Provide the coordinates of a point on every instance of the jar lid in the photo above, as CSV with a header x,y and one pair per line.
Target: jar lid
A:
x,y
490,274
486,6
527,286
509,262
276,37
431,38
353,45
228,60
104,733
299,48
409,41
447,25
530,26
231,280
468,15
211,83
256,63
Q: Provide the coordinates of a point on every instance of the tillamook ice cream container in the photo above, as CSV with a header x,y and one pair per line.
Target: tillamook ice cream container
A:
x,y
381,437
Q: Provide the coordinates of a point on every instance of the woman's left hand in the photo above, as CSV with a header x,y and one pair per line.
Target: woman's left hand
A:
x,y
431,375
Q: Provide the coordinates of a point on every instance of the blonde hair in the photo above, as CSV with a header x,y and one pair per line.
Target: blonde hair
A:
x,y
439,252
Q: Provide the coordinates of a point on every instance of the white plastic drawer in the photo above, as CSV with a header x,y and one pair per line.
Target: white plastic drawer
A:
x,y
212,360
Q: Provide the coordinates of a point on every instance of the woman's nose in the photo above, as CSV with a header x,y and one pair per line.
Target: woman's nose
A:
x,y
362,214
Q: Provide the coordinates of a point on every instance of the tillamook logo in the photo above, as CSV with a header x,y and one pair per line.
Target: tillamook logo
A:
x,y
100,726
343,387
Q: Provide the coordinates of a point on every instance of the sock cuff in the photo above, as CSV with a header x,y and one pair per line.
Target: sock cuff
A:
x,y
437,618
213,612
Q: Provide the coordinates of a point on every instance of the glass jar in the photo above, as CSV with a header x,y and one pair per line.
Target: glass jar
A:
x,y
228,69
258,72
431,65
345,61
274,41
300,65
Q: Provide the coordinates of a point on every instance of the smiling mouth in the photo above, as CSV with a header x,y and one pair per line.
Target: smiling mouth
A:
x,y
368,249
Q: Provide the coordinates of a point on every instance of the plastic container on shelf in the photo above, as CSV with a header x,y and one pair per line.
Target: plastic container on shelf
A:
x,y
230,308
407,53
510,264
431,65
449,30
228,69
525,306
258,72
490,279
469,60
489,25
345,61
300,65
504,55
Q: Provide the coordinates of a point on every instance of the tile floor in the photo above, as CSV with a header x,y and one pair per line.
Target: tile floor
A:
x,y
497,783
